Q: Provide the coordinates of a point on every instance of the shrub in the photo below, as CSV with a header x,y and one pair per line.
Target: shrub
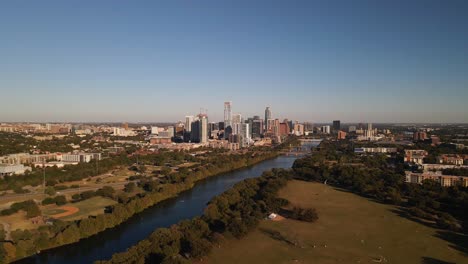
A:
x,y
301,214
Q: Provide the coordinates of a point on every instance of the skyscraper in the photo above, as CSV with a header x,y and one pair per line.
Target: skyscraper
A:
x,y
336,125
236,124
236,118
188,123
227,114
203,135
257,128
267,116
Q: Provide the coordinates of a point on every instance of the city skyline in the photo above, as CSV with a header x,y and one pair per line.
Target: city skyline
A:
x,y
393,62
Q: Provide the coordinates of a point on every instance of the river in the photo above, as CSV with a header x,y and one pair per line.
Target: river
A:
x,y
187,205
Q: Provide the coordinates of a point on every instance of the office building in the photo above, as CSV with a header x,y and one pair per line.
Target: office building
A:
x,y
419,136
326,129
284,129
236,118
227,114
267,117
336,125
13,169
298,129
188,123
341,135
246,131
80,157
203,135
257,128
195,131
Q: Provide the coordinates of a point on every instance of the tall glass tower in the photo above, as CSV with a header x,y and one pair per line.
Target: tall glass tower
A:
x,y
227,114
267,117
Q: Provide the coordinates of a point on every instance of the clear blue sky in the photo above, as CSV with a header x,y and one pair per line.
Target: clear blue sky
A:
x,y
377,61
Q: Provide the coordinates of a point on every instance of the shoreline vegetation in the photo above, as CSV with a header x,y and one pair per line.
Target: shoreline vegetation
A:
x,y
233,213
25,243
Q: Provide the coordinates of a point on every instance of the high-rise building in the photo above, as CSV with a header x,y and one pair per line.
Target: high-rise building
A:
x,y
236,118
298,129
326,129
203,135
195,131
257,128
267,116
284,129
336,125
276,127
369,133
227,114
188,123
236,128
236,124
221,125
246,131
212,126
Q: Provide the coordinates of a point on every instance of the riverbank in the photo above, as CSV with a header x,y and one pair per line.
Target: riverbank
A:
x,y
232,213
75,231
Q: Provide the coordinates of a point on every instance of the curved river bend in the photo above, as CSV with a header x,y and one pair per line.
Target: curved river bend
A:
x,y
187,205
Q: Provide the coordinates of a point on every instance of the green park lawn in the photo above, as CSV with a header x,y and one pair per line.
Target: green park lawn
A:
x,y
350,229
92,206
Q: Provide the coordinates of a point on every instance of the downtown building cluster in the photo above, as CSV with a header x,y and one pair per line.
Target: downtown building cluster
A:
x,y
235,131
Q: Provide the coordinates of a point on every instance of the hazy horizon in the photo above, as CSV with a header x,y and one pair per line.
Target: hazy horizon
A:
x,y
359,61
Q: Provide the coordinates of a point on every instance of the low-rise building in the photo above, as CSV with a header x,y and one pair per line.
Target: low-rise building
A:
x,y
443,180
341,135
80,157
375,150
415,156
13,169
160,140
453,159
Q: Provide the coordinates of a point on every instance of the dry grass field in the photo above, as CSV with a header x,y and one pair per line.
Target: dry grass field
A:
x,y
350,229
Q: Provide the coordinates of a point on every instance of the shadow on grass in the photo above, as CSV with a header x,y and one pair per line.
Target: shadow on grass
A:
x,y
458,241
277,236
370,198
404,212
428,260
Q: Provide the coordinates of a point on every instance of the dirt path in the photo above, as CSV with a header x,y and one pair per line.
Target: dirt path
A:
x,y
69,211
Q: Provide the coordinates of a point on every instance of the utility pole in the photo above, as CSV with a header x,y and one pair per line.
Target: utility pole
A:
x,y
43,175
97,166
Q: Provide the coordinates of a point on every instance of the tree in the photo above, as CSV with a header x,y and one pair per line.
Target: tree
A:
x,y
106,191
60,200
130,187
50,190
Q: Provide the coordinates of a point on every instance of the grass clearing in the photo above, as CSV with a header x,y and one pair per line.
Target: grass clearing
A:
x,y
92,206
18,221
350,229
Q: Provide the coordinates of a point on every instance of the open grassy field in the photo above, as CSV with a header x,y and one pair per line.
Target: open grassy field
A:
x,y
18,221
92,206
350,229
